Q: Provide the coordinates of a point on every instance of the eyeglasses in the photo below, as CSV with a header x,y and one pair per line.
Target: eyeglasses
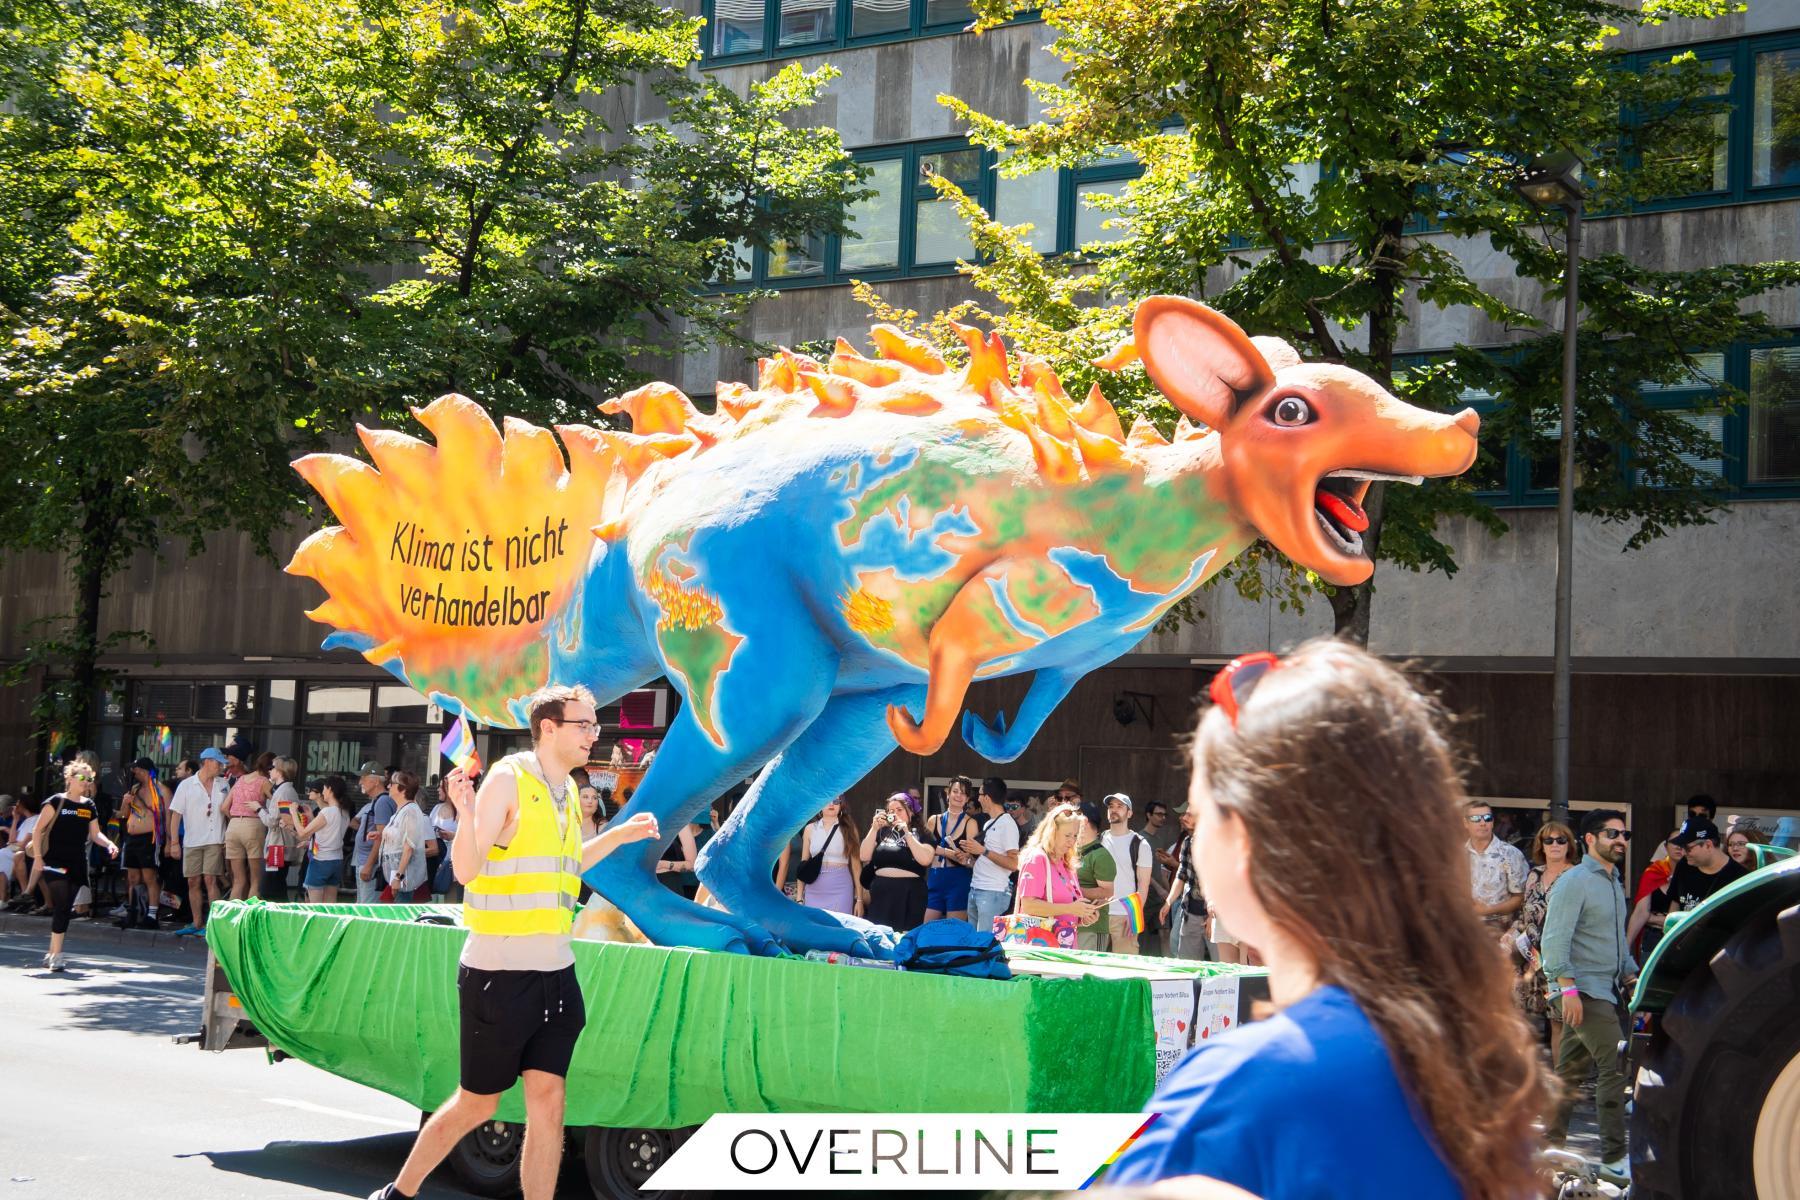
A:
x,y
584,726
1482,819
1619,835
1230,689
1556,841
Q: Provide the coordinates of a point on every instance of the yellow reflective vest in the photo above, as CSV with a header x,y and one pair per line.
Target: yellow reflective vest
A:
x,y
529,886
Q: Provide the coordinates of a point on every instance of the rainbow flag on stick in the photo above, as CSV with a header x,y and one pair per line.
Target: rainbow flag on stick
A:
x,y
165,740
1134,909
459,747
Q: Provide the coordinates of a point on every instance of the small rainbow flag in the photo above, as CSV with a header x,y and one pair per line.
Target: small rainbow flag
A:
x,y
459,747
1134,909
165,740
1117,1154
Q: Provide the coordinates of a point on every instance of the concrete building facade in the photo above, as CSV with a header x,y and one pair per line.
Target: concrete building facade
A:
x,y
1687,651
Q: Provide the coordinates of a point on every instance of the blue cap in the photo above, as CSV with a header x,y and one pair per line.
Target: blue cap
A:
x,y
214,754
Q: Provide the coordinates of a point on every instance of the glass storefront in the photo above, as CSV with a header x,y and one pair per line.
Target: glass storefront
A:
x,y
328,726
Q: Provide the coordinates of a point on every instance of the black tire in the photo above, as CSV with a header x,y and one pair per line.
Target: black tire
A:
x,y
487,1160
619,1161
1710,1064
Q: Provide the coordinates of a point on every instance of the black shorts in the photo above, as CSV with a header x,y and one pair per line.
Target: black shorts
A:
x,y
140,852
515,1021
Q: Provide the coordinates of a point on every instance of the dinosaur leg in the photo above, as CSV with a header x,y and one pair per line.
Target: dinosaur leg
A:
x,y
1003,742
846,742
762,709
971,631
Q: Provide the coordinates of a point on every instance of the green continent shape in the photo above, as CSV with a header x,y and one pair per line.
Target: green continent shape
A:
x,y
700,656
485,687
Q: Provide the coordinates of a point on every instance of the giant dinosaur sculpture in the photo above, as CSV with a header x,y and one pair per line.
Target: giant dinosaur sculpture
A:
x,y
824,565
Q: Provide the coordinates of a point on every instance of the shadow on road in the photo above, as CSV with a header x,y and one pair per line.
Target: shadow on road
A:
x,y
345,1168
105,1002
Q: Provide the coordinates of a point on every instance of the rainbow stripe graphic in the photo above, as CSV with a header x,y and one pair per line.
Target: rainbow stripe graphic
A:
x,y
1114,1157
459,747
1134,908
165,740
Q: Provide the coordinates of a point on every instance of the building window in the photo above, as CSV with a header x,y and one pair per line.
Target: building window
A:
x,y
338,702
1775,123
874,243
941,236
1757,155
1773,416
745,30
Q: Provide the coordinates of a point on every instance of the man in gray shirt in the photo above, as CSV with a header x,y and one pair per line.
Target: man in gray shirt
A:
x,y
1589,962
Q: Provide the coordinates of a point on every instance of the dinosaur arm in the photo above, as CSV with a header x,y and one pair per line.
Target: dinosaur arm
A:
x,y
1001,742
970,632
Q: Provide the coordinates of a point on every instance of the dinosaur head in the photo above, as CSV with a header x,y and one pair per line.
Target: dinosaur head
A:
x,y
1300,443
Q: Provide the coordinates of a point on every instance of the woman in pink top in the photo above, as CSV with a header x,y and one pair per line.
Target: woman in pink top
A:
x,y
1047,884
245,833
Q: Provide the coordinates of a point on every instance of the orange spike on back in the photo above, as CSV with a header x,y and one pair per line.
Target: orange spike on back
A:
x,y
987,359
848,363
1054,417
902,347
1184,429
1098,451
1057,460
911,402
1119,357
463,431
737,400
1097,415
1035,375
345,484
654,408
837,397
1143,433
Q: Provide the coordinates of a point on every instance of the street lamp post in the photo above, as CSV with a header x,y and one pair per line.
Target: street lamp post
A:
x,y
1552,182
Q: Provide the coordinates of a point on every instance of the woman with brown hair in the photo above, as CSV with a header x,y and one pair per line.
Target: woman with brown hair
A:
x,y
1554,850
1396,1062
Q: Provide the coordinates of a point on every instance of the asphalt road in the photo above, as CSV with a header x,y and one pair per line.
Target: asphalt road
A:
x,y
101,1103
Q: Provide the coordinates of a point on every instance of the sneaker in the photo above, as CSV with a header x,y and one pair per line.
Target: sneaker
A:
x,y
117,912
1618,1166
188,931
54,962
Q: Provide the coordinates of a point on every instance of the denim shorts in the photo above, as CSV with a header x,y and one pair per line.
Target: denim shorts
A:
x,y
323,872
947,888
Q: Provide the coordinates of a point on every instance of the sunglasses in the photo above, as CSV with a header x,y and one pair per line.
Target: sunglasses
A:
x,y
1556,841
1482,819
1230,689
1618,835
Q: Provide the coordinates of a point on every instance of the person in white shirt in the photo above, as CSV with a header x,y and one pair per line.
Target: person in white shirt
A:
x,y
1135,858
197,835
996,851
1497,870
403,857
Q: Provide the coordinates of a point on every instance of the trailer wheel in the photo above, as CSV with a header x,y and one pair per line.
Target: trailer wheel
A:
x,y
487,1159
620,1161
1717,1101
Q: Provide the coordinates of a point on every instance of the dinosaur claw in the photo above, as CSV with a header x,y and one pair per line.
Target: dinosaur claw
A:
x,y
1000,721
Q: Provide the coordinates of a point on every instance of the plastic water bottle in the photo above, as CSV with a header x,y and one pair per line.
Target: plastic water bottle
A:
x,y
849,960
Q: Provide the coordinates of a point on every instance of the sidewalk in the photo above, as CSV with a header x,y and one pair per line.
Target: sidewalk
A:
x,y
84,932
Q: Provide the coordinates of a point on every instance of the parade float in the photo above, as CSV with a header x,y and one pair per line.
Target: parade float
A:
x,y
820,568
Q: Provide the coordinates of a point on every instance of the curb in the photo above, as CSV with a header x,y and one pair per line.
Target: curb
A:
x,y
102,933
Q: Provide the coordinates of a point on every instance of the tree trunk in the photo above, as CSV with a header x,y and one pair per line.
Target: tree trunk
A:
x,y
1350,606
93,558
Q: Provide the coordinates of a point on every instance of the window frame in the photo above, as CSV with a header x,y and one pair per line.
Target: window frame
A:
x,y
917,29
1740,53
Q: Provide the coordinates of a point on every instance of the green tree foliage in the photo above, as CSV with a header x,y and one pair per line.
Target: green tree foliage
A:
x,y
240,226
1321,172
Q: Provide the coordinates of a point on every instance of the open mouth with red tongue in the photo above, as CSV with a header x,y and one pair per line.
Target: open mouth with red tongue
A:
x,y
1338,505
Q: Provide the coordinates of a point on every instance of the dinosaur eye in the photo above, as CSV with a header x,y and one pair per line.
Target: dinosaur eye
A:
x,y
1292,410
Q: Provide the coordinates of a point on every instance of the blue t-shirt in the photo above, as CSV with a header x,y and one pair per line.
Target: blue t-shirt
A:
x,y
1301,1106
377,812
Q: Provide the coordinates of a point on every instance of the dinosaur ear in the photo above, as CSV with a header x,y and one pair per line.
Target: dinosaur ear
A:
x,y
1199,358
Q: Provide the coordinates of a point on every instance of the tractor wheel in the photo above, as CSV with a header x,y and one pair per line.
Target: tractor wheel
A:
x,y
1716,1114
620,1161
487,1159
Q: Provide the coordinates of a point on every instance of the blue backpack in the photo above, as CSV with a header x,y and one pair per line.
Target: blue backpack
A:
x,y
952,947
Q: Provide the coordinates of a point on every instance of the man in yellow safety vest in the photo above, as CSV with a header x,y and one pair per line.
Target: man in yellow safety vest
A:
x,y
519,855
